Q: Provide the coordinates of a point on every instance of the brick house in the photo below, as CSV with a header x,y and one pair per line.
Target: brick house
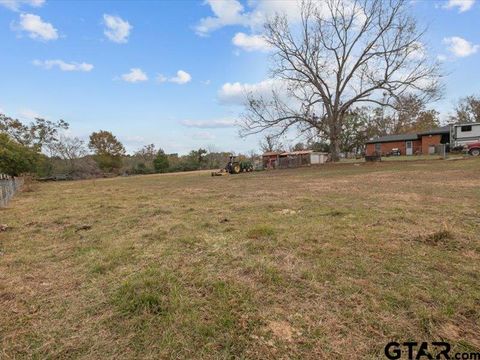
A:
x,y
422,143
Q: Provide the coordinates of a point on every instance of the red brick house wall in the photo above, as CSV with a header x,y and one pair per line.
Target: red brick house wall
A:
x,y
387,147
428,140
369,149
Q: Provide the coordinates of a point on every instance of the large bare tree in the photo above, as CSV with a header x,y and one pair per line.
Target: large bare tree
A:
x,y
70,150
270,143
343,53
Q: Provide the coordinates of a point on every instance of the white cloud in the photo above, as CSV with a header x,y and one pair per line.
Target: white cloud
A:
x,y
267,8
135,75
236,93
226,12
203,135
250,42
15,5
209,124
117,29
232,12
462,5
36,28
28,114
181,78
64,66
460,47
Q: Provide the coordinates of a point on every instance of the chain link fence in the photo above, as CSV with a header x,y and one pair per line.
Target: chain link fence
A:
x,y
8,187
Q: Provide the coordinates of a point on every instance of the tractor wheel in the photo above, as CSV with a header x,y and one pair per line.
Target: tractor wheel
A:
x,y
236,168
475,152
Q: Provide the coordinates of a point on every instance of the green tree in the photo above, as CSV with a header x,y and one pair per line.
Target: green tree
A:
x,y
161,163
15,158
198,156
354,131
412,115
108,150
320,146
38,134
409,115
195,160
467,110
425,121
298,146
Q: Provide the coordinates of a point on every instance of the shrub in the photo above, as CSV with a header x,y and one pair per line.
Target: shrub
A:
x,y
16,159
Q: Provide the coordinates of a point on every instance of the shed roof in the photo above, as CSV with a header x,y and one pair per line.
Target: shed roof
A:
x,y
298,152
285,153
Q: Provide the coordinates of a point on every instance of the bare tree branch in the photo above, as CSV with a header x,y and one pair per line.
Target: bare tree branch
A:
x,y
343,53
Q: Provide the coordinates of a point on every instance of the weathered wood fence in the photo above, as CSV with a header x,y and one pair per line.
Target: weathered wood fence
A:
x,y
8,187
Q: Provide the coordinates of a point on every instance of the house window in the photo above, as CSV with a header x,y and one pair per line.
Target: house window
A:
x,y
466,128
378,148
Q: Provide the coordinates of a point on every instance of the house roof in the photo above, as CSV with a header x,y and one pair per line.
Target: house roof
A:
x,y
437,131
391,138
407,137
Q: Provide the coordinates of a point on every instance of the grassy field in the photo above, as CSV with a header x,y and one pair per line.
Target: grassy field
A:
x,y
330,262
451,156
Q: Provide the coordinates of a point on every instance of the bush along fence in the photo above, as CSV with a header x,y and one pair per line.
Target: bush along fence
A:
x,y
8,187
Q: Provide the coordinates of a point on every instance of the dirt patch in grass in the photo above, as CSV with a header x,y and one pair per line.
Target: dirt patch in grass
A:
x,y
281,330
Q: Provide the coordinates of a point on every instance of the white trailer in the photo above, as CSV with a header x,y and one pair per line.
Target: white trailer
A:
x,y
461,134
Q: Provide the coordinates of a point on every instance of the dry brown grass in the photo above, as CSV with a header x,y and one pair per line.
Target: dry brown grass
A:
x,y
329,262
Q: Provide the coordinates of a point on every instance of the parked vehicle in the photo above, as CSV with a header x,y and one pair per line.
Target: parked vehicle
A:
x,y
234,167
463,134
473,148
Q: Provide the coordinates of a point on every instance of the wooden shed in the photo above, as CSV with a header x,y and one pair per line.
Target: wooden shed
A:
x,y
292,159
270,159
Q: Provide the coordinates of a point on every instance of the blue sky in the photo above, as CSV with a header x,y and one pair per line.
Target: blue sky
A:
x,y
172,73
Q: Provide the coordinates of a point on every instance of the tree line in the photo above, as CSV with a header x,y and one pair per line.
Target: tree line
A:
x,y
41,149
